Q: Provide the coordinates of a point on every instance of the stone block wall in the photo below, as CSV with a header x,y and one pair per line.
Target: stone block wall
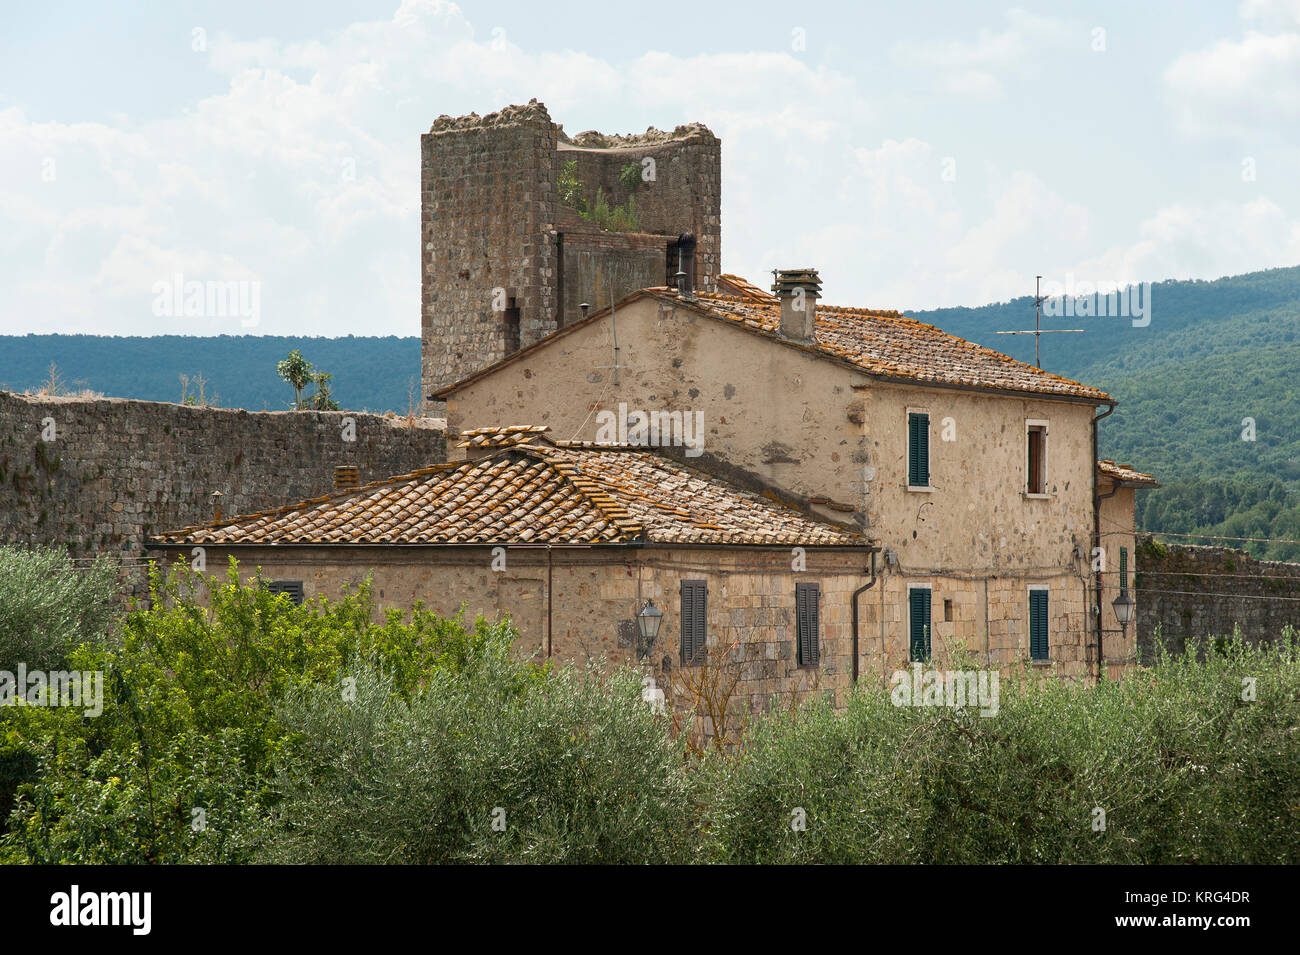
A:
x,y
594,595
99,475
1194,594
488,192
492,227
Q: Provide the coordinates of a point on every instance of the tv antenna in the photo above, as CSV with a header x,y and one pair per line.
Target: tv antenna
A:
x,y
1038,311
614,327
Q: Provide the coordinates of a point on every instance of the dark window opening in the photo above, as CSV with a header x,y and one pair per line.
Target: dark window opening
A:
x,y
808,623
511,324
291,587
1037,466
947,611
694,614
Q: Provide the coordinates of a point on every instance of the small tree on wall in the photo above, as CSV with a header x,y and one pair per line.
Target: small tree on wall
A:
x,y
296,370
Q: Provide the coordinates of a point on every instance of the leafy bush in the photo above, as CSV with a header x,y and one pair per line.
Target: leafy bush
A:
x,y
188,718
240,727
1184,769
48,606
487,764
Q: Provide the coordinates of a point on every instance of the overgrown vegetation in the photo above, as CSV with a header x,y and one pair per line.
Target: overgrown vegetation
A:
x,y
610,218
299,373
238,727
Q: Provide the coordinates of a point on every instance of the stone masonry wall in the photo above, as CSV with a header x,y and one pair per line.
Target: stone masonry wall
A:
x,y
1195,593
492,225
99,475
487,190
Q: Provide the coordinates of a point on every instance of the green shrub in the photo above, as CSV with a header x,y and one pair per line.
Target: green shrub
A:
x,y
48,606
188,717
572,767
1184,769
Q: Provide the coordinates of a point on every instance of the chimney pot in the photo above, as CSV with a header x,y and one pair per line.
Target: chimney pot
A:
x,y
798,291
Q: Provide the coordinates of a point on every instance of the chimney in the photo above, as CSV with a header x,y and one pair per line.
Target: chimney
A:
x,y
345,476
798,291
686,265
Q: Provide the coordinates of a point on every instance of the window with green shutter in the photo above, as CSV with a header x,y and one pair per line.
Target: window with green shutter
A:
x,y
1038,624
918,450
694,613
918,599
291,587
807,623
1123,570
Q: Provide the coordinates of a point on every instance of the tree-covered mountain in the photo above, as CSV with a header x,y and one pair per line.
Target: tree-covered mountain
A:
x,y
1217,363
370,374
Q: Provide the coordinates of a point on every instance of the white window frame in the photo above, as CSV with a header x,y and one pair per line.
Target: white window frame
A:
x,y
1030,424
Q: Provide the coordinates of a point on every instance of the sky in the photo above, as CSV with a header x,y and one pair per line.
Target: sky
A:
x,y
919,154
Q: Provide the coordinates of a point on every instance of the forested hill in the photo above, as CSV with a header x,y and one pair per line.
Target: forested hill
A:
x,y
370,374
1213,355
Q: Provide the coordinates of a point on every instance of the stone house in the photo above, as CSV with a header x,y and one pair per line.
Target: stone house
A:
x,y
975,475
571,541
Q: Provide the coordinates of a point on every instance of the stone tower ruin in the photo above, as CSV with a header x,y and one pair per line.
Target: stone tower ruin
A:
x,y
506,262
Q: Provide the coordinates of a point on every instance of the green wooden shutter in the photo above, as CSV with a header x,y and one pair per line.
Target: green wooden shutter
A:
x,y
694,614
1123,570
918,450
808,623
1038,624
291,587
919,617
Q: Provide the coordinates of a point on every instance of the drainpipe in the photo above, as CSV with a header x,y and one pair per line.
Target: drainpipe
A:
x,y
1096,527
857,593
548,601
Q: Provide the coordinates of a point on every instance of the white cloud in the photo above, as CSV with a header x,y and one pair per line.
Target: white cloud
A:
x,y
1189,240
1238,87
302,174
978,68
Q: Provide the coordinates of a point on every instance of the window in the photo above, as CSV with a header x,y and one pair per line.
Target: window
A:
x,y
291,587
1038,624
1123,570
807,623
511,328
694,613
918,599
1036,466
918,450
947,611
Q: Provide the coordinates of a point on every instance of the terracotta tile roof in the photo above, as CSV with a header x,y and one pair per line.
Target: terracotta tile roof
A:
x,y
1125,474
505,437
882,343
734,285
533,494
892,345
